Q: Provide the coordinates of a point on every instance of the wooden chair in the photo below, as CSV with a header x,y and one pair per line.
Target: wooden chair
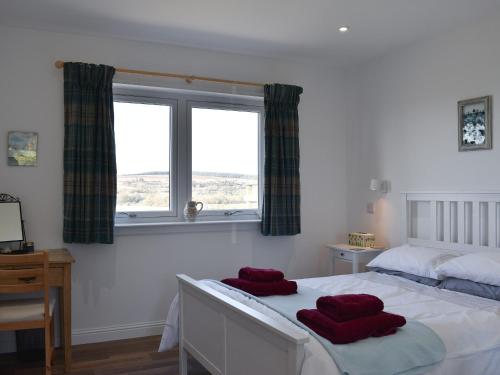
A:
x,y
22,274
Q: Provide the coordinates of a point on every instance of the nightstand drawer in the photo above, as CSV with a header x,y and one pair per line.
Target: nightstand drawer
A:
x,y
353,254
345,255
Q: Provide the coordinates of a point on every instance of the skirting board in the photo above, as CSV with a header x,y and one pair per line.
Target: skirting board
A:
x,y
117,332
90,335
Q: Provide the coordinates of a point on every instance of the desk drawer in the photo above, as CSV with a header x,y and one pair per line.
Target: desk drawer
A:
x,y
345,255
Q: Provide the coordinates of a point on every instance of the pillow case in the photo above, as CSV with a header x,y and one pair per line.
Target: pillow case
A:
x,y
419,279
415,260
471,287
481,267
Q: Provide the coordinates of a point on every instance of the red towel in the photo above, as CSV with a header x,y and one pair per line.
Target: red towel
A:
x,y
282,287
260,274
345,307
381,324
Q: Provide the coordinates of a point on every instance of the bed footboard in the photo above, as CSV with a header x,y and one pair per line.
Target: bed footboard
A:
x,y
229,338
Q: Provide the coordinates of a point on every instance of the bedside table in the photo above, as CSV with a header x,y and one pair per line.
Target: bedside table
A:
x,y
354,254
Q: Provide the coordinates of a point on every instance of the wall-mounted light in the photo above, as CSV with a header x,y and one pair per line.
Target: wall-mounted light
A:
x,y
376,185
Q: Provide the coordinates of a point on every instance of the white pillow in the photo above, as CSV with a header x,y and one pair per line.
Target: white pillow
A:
x,y
420,261
482,267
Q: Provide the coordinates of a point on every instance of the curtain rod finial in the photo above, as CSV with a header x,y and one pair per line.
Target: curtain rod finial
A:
x,y
59,64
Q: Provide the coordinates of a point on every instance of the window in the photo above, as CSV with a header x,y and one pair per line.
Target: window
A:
x,y
142,135
172,147
225,158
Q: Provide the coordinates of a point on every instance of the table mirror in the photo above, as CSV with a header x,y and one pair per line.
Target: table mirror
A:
x,y
11,219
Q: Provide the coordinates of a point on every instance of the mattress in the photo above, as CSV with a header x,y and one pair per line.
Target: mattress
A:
x,y
469,326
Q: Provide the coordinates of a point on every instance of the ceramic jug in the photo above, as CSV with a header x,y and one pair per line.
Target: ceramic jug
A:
x,y
191,210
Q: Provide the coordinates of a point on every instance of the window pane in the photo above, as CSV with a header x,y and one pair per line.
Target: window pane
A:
x,y
225,162
142,134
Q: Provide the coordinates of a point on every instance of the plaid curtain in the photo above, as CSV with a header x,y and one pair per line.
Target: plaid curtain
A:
x,y
281,205
89,154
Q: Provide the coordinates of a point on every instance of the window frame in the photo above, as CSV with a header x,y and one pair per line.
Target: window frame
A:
x,y
138,98
233,107
182,102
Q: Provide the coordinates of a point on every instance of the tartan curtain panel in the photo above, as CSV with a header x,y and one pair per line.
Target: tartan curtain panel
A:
x,y
281,203
89,154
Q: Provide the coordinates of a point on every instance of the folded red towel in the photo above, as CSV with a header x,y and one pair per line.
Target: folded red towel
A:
x,y
345,307
381,324
282,287
260,274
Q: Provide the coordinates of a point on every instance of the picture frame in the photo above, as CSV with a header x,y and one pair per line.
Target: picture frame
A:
x,y
475,124
22,149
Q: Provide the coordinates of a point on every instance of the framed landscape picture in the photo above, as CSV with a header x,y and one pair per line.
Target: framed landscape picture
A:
x,y
22,149
474,124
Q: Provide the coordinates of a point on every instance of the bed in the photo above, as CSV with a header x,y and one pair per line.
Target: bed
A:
x,y
229,333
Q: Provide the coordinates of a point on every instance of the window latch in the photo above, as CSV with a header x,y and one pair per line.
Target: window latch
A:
x,y
231,213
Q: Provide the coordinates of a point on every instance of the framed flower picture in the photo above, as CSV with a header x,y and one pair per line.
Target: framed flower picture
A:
x,y
22,149
474,124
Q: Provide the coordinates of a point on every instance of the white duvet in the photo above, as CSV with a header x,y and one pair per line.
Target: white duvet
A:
x,y
469,326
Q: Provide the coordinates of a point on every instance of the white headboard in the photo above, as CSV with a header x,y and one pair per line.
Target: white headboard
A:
x,y
465,221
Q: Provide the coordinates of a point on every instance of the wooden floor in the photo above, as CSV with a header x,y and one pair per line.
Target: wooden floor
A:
x,y
134,356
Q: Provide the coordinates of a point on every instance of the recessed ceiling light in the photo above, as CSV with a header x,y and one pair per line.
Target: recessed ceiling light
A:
x,y
344,29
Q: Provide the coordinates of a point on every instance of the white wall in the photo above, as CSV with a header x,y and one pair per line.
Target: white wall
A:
x,y
130,283
402,121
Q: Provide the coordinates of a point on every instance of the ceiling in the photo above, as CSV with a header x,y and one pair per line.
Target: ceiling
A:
x,y
292,29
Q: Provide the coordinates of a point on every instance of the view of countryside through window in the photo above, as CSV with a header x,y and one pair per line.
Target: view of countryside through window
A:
x,y
224,157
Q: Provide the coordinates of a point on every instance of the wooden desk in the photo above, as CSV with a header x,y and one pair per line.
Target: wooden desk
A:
x,y
60,261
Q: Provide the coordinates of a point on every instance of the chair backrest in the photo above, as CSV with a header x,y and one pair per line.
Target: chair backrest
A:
x,y
24,273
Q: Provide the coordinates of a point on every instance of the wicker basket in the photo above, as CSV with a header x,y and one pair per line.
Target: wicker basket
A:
x,y
362,239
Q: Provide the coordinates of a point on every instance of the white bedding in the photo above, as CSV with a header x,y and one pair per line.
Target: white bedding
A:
x,y
469,326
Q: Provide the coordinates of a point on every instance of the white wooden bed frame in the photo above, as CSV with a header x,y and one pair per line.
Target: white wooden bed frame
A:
x,y
229,338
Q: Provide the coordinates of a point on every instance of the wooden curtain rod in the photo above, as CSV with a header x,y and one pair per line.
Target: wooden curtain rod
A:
x,y
189,79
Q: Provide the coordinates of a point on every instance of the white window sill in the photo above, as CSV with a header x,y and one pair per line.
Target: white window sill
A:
x,y
127,229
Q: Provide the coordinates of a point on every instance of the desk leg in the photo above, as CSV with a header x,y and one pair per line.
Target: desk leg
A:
x,y
65,314
355,263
